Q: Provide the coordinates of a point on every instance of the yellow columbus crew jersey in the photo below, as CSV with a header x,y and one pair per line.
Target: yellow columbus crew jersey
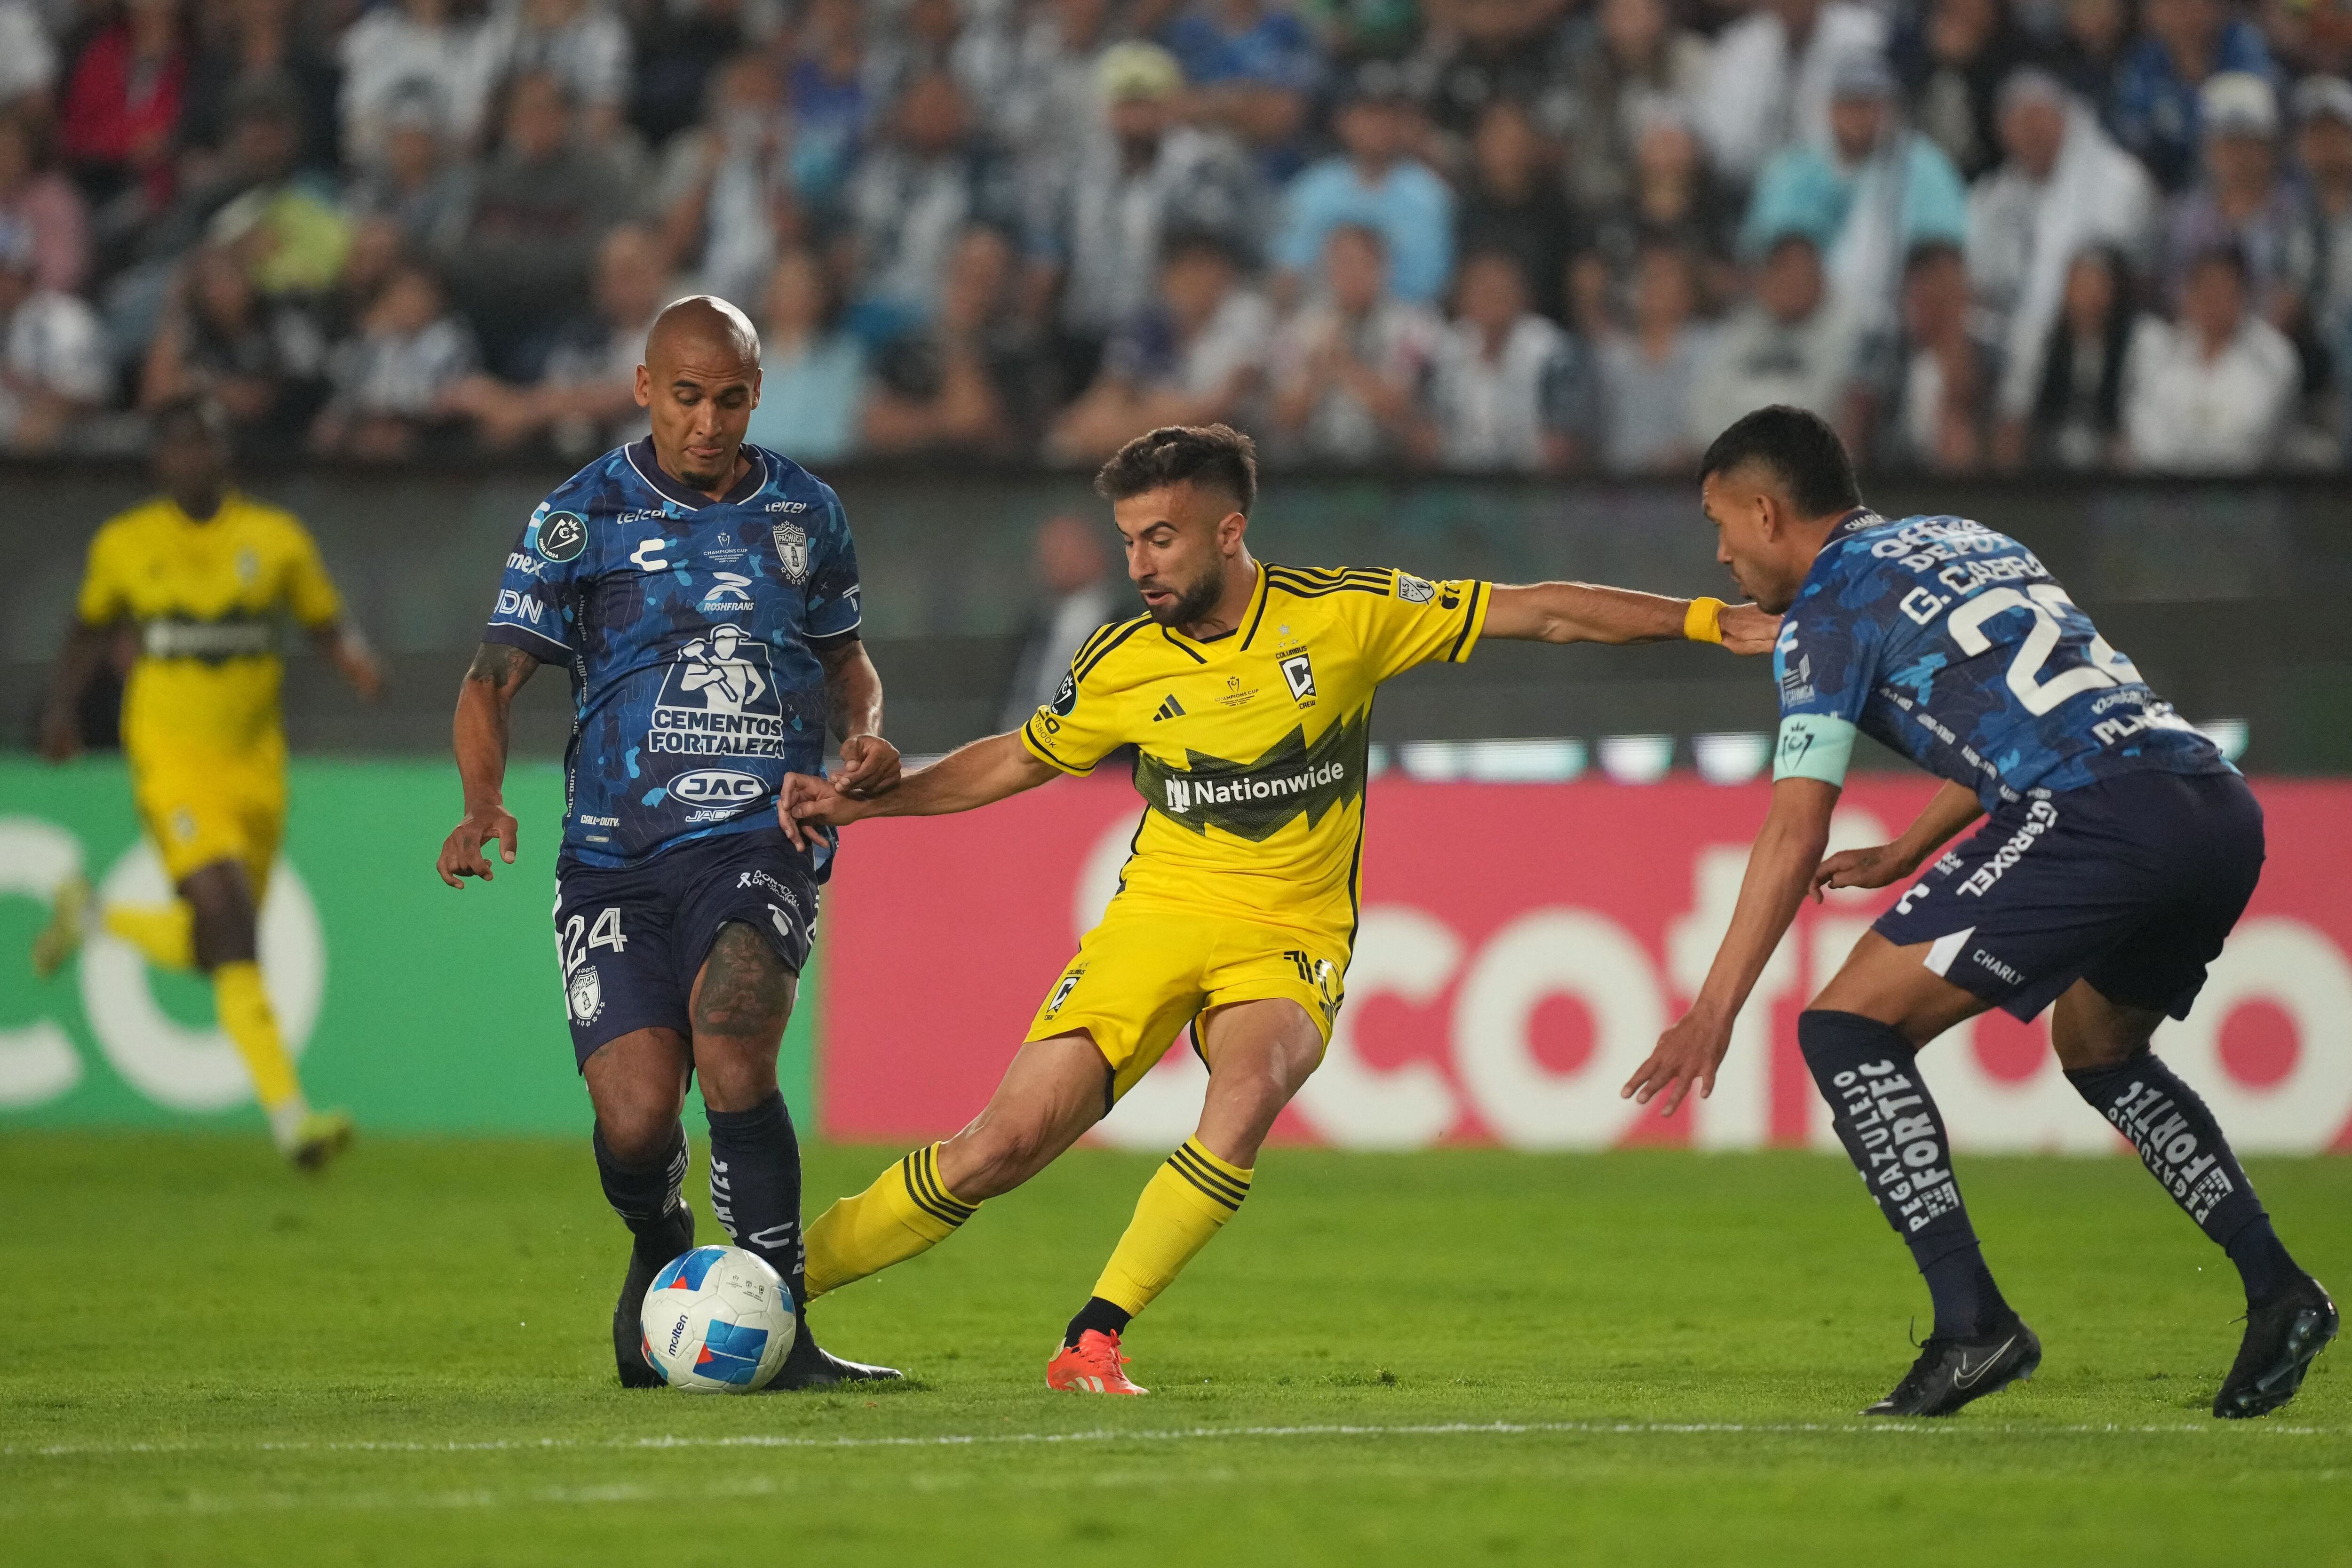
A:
x,y
1253,745
205,597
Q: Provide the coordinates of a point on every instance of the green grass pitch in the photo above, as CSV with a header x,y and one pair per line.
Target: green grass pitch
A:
x,y
1455,1357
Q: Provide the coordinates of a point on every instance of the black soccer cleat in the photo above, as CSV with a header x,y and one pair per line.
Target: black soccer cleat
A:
x,y
808,1365
2283,1336
1950,1372
646,1261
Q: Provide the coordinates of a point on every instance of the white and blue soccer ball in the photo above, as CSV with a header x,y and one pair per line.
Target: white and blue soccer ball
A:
x,y
717,1319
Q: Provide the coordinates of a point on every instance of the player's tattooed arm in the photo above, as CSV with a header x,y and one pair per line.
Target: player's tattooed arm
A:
x,y
853,696
479,735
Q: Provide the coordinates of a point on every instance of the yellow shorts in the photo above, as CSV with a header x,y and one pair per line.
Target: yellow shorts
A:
x,y
1148,971
202,806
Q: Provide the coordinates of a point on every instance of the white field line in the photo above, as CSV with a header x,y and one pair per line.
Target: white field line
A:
x,y
1177,1434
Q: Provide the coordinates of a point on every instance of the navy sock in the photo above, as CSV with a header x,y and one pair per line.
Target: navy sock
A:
x,y
651,1198
2183,1149
1104,1317
1894,1135
755,1187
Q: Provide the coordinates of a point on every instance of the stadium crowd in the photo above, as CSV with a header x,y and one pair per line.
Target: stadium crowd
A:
x,y
1476,235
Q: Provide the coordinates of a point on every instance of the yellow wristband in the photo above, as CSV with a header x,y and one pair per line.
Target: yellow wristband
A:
x,y
1703,622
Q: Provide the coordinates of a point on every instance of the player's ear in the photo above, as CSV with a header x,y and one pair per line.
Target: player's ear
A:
x,y
1230,529
645,388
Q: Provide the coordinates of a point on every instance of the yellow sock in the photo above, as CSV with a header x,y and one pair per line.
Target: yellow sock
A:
x,y
166,933
907,1210
246,1018
1187,1201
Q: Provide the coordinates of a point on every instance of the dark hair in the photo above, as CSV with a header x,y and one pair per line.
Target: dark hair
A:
x,y
1798,446
190,414
1927,252
2055,395
1216,455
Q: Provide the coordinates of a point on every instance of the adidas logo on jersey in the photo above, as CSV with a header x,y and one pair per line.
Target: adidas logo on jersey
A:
x,y
1170,708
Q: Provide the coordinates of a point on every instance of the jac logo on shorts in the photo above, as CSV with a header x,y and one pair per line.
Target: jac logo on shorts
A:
x,y
585,994
792,552
717,786
560,535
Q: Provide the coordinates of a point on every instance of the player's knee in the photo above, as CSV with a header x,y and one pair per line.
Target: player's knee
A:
x,y
736,1075
223,925
638,1132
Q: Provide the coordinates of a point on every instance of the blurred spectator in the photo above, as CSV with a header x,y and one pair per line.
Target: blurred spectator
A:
x,y
258,41
1100,220
1196,357
1511,390
585,400
45,202
1256,69
1081,597
967,381
1650,374
1952,64
2088,53
2065,186
1873,193
2244,200
2212,393
2323,254
1630,52
2074,419
812,372
1378,184
1050,92
726,190
1795,342
1495,51
2156,111
392,382
576,41
28,59
680,47
122,104
1768,83
1675,201
1365,29
1512,202
831,106
1924,397
915,193
262,362
442,44
416,182
1349,368
540,208
53,361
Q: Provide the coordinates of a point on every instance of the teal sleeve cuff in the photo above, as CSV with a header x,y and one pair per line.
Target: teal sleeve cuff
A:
x,y
1813,746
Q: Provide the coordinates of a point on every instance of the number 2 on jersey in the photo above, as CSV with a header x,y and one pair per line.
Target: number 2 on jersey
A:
x,y
2107,667
606,932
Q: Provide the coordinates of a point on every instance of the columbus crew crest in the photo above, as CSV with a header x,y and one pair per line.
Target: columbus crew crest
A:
x,y
792,552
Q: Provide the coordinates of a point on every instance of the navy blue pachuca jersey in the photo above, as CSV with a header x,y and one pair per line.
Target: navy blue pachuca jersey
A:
x,y
691,627
1951,644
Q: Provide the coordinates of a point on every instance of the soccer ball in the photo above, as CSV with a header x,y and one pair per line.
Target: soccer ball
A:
x,y
717,1320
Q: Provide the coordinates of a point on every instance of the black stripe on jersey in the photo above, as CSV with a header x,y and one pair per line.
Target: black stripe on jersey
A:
x,y
1093,641
1175,643
1469,619
1213,1184
1330,575
1300,586
1125,630
1029,732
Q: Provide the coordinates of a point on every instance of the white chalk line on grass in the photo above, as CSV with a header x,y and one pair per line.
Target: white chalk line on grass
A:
x,y
1176,1435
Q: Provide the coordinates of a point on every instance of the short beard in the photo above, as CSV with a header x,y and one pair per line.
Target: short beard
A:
x,y
1192,604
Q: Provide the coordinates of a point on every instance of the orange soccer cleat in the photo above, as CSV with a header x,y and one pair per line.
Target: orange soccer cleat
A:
x,y
1093,1365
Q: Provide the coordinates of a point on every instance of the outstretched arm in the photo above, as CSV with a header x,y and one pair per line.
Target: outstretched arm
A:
x,y
1779,872
479,734
1582,612
971,776
852,695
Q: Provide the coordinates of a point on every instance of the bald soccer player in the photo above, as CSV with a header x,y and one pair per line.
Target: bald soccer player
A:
x,y
702,595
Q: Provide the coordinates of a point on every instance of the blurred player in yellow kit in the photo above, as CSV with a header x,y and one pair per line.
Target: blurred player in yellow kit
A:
x,y
202,575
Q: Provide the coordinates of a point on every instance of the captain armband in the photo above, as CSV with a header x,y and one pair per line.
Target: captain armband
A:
x,y
1813,746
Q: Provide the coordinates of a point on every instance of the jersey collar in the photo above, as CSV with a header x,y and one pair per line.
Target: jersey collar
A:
x,y
1248,628
1854,521
640,453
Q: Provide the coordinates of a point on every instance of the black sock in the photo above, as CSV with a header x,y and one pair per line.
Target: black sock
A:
x,y
755,1187
2183,1149
1893,1133
650,1198
1103,1317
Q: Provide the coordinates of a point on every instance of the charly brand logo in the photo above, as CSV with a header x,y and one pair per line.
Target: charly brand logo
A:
x,y
561,535
719,700
792,552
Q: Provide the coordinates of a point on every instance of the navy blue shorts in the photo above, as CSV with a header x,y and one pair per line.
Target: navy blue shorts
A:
x,y
2130,883
631,941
